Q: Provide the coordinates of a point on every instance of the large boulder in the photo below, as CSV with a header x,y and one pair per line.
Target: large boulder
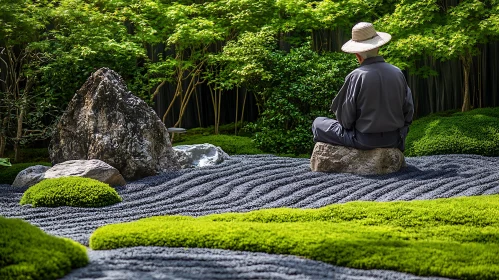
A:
x,y
105,121
94,169
199,155
30,176
339,159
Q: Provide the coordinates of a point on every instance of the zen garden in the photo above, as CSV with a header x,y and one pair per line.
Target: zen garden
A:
x,y
249,139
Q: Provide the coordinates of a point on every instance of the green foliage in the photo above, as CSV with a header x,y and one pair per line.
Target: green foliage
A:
x,y
233,145
426,28
29,253
473,132
8,174
5,162
454,238
305,83
70,191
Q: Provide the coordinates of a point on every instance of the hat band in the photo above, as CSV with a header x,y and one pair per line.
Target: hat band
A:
x,y
365,39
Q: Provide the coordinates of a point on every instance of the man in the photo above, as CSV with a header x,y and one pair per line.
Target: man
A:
x,y
374,107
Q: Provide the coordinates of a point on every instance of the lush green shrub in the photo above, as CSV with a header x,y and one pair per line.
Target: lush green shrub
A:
x,y
8,174
473,132
456,238
70,191
305,83
233,145
26,252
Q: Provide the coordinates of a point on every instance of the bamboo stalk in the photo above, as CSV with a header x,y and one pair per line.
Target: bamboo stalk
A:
x,y
237,107
218,114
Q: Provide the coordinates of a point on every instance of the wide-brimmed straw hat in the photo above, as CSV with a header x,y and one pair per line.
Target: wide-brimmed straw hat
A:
x,y
365,38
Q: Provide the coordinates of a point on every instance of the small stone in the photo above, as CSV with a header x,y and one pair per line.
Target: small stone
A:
x,y
30,176
199,155
340,159
94,169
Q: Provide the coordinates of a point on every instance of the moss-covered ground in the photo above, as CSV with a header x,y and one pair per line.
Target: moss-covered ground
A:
x,y
473,132
456,238
70,191
26,252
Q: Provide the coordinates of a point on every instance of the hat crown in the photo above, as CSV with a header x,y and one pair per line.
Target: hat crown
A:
x,y
363,31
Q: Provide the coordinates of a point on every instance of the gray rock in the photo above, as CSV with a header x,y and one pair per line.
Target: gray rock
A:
x,y
95,169
199,155
105,121
30,176
339,159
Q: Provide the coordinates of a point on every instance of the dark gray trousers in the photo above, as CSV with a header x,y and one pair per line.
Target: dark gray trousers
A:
x,y
330,131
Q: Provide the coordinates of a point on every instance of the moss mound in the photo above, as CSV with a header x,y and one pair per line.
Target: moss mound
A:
x,y
70,191
233,145
456,238
8,174
473,132
26,252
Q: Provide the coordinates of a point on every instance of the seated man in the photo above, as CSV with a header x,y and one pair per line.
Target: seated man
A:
x,y
374,108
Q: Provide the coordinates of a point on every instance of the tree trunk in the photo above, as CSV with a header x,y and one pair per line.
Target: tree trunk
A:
x,y
19,134
244,104
3,136
466,61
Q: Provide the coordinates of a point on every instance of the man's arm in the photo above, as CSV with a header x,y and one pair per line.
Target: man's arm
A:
x,y
344,105
408,107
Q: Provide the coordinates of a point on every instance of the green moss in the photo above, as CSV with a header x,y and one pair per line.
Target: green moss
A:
x,y
473,132
8,174
233,145
26,252
456,238
70,191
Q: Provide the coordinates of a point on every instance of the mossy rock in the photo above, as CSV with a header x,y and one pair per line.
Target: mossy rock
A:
x,y
70,191
473,132
455,237
8,174
26,252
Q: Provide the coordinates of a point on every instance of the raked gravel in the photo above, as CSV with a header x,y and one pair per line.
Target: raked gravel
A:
x,y
241,184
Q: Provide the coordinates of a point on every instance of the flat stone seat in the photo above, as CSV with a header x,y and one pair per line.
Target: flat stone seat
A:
x,y
340,159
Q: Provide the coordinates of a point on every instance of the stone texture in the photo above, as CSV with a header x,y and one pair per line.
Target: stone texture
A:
x,y
95,169
339,159
105,121
30,176
199,155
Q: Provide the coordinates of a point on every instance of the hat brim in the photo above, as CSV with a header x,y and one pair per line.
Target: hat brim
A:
x,y
367,45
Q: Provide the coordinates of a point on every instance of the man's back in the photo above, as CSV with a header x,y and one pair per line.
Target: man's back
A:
x,y
375,98
381,97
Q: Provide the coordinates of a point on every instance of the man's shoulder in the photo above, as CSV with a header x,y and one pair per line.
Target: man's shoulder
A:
x,y
376,67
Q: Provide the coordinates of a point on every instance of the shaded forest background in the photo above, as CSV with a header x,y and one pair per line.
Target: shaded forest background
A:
x,y
273,63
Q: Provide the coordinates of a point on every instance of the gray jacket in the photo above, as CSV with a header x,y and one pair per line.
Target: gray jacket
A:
x,y
375,98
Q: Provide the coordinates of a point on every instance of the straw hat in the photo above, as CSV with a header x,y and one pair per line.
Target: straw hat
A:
x,y
365,38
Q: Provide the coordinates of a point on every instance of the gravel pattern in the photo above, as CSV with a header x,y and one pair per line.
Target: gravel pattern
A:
x,y
242,184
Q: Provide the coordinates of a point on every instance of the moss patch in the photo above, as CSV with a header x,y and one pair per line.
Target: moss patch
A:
x,y
26,252
70,191
8,174
473,132
456,238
